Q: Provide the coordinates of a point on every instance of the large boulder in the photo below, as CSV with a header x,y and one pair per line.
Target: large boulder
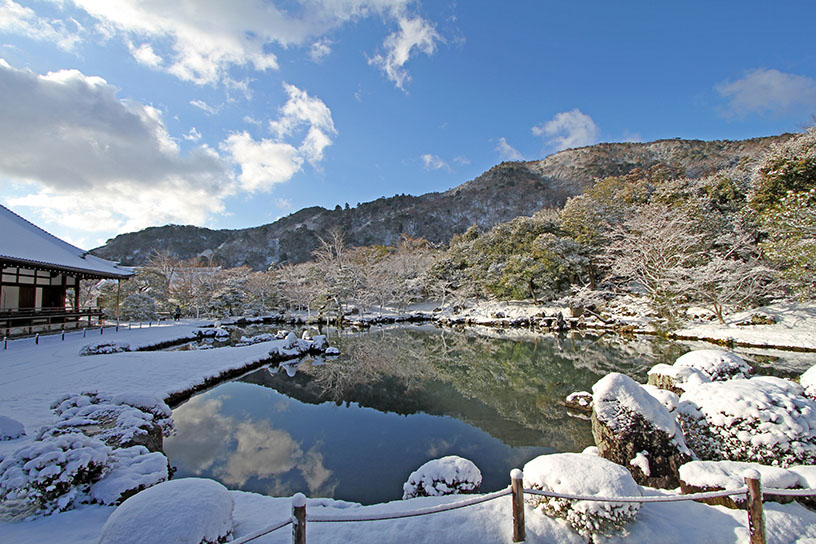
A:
x,y
762,420
449,475
185,511
582,474
634,429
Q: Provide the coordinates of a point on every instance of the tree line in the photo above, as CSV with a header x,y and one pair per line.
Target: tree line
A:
x,y
729,240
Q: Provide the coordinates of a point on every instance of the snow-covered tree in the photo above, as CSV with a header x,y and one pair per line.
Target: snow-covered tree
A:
x,y
139,307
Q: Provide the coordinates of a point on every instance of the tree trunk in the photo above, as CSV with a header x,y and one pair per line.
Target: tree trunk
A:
x,y
531,287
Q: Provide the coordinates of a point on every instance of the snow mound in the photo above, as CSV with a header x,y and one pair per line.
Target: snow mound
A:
x,y
716,364
102,348
808,381
10,429
806,475
665,397
118,420
55,473
185,511
582,474
731,475
617,399
132,469
676,378
449,475
763,419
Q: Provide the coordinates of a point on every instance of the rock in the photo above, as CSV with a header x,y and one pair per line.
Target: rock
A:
x,y
582,474
808,381
133,469
579,400
103,348
763,420
449,475
702,476
629,424
185,511
675,379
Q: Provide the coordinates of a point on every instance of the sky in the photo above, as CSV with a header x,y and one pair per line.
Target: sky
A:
x,y
116,115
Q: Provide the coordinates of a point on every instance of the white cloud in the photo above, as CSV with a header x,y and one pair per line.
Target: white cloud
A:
x,y
202,40
17,19
320,49
97,163
263,163
569,129
203,106
283,204
462,160
267,162
144,54
507,151
193,135
769,91
434,162
414,34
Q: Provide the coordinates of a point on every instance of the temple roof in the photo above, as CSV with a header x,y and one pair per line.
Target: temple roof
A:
x,y
24,243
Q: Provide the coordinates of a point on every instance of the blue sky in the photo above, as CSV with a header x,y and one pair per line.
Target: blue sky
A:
x,y
122,114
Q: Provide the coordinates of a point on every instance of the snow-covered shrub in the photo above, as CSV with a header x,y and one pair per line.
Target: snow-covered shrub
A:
x,y
716,364
808,381
700,476
628,421
212,332
449,475
10,428
185,511
102,348
139,307
763,419
55,473
131,470
118,420
582,474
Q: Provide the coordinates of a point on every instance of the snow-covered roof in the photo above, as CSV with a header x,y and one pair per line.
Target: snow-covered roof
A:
x,y
25,243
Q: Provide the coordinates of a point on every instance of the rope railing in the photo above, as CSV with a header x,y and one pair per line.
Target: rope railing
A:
x,y
752,491
645,498
412,513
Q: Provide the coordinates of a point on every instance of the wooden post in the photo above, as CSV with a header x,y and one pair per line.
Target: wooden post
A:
x,y
756,519
299,518
517,486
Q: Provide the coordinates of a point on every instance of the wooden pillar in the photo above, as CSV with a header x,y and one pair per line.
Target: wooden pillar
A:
x,y
517,486
118,290
756,518
299,518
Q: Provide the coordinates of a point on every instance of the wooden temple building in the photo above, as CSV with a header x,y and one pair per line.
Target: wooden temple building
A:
x,y
40,279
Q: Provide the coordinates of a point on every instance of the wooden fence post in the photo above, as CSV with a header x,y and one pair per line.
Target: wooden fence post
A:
x,y
299,518
517,486
756,519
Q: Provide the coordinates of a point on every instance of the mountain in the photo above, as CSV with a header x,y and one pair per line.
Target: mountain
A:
x,y
505,191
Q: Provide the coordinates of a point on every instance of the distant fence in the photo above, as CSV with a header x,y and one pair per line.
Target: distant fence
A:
x,y
752,490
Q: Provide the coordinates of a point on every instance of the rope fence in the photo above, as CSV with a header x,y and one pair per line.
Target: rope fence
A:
x,y
752,490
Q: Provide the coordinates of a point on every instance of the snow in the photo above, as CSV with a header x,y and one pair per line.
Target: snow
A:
x,y
715,364
668,399
730,474
185,511
641,460
133,469
10,428
808,381
34,376
617,398
446,476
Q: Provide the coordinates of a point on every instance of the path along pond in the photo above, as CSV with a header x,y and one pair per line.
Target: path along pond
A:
x,y
355,426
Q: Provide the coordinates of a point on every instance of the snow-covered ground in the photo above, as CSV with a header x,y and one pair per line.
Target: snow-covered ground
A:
x,y
34,376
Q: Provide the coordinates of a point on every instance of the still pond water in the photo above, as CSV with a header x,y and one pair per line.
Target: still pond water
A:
x,y
356,426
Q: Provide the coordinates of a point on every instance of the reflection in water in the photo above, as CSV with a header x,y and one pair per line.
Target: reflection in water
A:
x,y
355,427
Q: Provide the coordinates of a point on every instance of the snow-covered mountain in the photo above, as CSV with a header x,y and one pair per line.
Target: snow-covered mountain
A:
x,y
507,190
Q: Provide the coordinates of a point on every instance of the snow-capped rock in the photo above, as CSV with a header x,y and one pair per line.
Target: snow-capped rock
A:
x,y
10,428
449,475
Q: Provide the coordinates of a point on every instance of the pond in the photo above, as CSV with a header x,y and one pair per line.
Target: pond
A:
x,y
354,428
